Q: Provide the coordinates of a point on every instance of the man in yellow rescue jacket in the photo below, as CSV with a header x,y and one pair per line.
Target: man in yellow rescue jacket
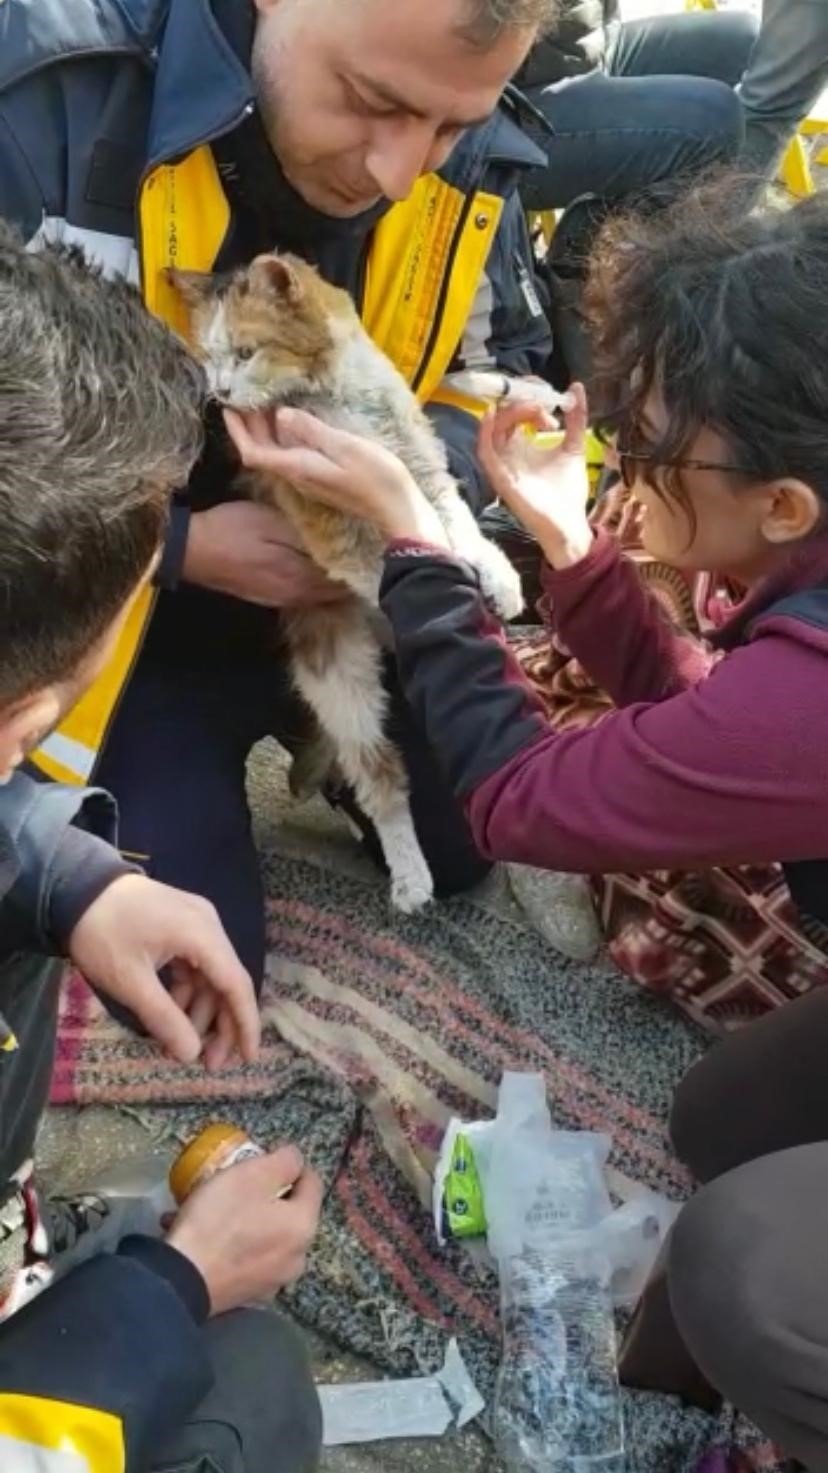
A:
x,y
366,136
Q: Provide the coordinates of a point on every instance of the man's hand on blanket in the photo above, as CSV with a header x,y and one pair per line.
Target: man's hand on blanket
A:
x,y
546,487
356,475
133,929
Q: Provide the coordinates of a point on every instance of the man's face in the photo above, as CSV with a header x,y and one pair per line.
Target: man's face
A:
x,y
361,97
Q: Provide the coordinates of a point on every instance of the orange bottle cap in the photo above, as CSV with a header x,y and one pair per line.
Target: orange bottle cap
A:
x,y
205,1151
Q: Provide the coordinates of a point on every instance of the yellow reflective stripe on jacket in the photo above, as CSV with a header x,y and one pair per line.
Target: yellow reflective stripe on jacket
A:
x,y
184,218
423,272
454,302
69,754
42,1436
446,395
424,267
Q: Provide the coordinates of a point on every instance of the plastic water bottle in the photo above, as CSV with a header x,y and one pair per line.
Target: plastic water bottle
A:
x,y
557,1400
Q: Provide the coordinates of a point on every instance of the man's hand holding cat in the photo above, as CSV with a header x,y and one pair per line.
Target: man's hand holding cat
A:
x,y
356,475
253,553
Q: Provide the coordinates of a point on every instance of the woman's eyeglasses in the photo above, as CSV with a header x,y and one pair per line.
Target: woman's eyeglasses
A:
x,y
628,459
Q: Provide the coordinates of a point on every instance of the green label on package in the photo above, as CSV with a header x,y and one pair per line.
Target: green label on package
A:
x,y
465,1216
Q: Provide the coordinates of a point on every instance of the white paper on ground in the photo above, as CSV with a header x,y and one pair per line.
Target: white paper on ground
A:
x,y
459,1387
421,1406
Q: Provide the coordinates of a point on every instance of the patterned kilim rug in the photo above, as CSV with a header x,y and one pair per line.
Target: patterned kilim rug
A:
x,y
378,1029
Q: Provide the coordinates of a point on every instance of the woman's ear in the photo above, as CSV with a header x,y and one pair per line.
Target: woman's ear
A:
x,y
793,511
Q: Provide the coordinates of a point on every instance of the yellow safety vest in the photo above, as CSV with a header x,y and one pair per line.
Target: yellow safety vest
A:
x,y
426,260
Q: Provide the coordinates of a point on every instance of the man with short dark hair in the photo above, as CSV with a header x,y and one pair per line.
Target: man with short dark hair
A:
x,y
116,1365
368,138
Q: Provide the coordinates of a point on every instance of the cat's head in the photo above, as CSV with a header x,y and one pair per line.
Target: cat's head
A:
x,y
266,331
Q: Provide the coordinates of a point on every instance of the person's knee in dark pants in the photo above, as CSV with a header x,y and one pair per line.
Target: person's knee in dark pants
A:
x,y
658,106
744,1120
622,139
175,762
262,1415
748,1291
762,1089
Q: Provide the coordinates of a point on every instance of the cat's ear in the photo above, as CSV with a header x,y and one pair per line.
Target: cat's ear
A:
x,y
192,286
276,275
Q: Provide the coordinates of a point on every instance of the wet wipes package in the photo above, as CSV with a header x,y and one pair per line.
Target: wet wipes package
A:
x,y
458,1200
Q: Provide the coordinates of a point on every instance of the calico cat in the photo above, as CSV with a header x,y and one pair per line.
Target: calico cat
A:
x,y
276,333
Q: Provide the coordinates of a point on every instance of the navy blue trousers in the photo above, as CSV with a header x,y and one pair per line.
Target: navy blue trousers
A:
x,y
208,685
663,110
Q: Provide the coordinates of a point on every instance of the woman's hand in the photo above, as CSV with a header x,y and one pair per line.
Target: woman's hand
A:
x,y
356,475
546,488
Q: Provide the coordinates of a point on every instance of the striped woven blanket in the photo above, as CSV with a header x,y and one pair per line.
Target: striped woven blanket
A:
x,y
378,1028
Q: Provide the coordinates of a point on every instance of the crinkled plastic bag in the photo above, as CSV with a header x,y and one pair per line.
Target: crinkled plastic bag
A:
x,y
138,1195
631,1238
539,1181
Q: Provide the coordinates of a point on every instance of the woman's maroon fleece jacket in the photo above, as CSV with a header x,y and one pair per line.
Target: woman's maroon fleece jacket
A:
x,y
708,759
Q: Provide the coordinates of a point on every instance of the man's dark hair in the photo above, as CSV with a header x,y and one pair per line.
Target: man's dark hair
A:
x,y
100,418
725,317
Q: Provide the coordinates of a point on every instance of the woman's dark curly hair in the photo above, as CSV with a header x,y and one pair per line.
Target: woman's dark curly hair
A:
x,y
725,318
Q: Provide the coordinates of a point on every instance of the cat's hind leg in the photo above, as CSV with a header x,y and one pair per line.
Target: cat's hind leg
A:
x,y
337,669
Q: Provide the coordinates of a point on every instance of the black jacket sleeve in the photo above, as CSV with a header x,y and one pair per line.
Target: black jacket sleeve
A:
x,y
461,680
105,1364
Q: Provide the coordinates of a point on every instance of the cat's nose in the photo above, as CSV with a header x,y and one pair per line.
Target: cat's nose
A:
x,y
222,382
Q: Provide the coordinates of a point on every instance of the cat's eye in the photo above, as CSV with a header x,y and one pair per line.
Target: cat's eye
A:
x,y
245,354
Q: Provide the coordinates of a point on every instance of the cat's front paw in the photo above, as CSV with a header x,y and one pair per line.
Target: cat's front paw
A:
x,y
500,583
411,887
